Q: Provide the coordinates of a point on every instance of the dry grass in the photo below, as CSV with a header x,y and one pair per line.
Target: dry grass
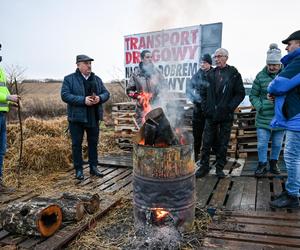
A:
x,y
116,231
46,153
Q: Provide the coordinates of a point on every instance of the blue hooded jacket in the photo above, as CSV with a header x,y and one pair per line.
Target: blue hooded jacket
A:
x,y
286,88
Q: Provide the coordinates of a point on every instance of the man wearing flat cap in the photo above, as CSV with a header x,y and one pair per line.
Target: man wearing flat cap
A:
x,y
193,94
286,90
84,92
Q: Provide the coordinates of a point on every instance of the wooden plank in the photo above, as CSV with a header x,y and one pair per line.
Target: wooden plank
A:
x,y
256,238
277,186
264,221
238,167
107,174
30,243
3,234
114,180
106,178
270,230
249,194
215,243
262,214
12,239
9,198
111,162
120,184
204,193
236,193
263,196
220,193
65,235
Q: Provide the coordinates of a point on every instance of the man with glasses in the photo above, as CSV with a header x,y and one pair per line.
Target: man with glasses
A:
x,y
286,90
222,95
144,85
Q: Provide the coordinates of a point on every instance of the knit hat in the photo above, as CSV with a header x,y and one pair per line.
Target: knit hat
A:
x,y
273,54
206,58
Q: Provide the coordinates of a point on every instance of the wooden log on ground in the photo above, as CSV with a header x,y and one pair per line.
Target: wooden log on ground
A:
x,y
90,201
34,218
72,210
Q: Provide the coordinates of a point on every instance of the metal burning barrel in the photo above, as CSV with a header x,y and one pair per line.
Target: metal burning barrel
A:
x,y
164,185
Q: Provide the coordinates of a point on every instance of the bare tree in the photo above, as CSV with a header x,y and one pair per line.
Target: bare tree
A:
x,y
15,73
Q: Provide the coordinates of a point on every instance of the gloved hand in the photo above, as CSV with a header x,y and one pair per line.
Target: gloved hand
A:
x,y
134,95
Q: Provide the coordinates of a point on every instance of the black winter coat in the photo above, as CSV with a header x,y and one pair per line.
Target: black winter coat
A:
x,y
219,106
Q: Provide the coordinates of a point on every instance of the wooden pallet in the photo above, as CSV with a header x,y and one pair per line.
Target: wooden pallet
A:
x,y
238,193
61,237
251,165
253,230
129,106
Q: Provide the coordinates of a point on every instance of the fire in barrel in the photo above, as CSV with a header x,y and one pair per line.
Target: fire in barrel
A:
x,y
163,179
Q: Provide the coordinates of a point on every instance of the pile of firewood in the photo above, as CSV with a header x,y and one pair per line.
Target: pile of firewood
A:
x,y
43,216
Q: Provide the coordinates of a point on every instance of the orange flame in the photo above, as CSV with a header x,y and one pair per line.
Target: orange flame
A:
x,y
144,100
160,213
179,133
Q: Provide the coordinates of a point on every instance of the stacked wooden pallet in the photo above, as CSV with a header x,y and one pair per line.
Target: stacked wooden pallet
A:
x,y
232,145
124,122
246,132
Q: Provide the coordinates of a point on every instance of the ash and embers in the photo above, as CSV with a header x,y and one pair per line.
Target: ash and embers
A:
x,y
117,231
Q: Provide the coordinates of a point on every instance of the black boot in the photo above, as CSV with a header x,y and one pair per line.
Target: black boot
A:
x,y
94,171
79,174
285,201
274,169
261,169
219,171
202,171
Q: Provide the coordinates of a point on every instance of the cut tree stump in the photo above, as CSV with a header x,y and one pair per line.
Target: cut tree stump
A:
x,y
34,218
72,210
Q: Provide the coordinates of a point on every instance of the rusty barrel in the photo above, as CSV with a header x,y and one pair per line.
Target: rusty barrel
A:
x,y
164,180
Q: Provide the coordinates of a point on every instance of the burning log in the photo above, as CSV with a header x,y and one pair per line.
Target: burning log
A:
x,y
35,218
156,131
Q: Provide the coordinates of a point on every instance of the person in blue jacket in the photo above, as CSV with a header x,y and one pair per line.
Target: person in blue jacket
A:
x,y
84,92
285,89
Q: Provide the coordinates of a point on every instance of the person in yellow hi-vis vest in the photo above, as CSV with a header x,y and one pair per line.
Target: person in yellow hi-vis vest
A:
x,y
5,99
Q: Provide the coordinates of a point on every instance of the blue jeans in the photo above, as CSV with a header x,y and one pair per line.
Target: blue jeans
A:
x,y
77,130
292,162
263,137
2,139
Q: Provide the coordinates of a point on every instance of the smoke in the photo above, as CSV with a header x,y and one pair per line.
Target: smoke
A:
x,y
161,14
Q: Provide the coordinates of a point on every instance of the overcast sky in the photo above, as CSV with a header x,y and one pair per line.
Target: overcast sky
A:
x,y
45,36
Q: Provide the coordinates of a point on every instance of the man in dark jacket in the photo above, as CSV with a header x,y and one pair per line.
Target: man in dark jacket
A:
x,y
220,98
193,93
84,93
286,89
144,86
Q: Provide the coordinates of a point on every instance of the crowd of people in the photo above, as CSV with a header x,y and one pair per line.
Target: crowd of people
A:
x,y
216,93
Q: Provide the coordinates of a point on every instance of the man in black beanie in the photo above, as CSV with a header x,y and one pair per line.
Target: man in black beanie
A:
x,y
193,93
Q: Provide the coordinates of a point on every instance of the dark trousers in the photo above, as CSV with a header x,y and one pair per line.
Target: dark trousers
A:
x,y
77,132
198,127
222,131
